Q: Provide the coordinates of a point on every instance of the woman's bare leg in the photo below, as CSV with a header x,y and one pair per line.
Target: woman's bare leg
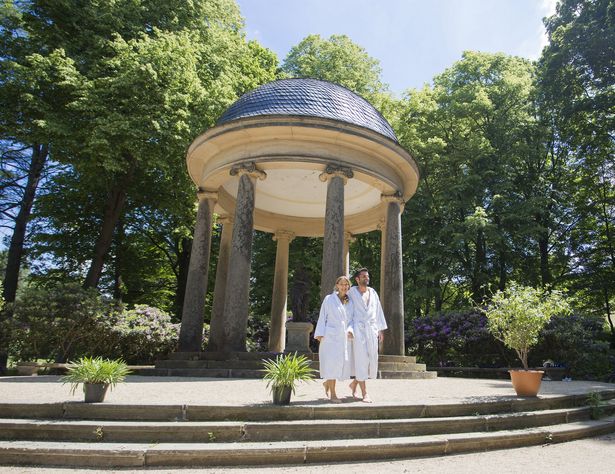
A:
x,y
363,388
353,388
333,398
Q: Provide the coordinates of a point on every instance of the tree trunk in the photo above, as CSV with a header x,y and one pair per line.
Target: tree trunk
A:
x,y
480,264
114,206
118,283
15,253
16,247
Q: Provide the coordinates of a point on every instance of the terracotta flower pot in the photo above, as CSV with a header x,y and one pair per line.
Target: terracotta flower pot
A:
x,y
526,382
95,392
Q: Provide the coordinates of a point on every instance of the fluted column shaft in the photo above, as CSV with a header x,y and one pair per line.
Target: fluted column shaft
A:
x,y
333,241
191,331
393,287
237,293
216,327
277,329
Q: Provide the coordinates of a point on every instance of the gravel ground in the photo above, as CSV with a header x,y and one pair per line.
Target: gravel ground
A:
x,y
241,392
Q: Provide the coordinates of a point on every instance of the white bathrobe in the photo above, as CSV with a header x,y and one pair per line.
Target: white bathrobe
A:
x,y
335,351
366,322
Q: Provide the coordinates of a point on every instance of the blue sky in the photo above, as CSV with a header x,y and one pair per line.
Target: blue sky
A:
x,y
413,39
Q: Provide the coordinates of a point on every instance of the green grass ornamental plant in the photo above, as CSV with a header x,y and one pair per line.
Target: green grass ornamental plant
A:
x,y
95,370
286,370
517,315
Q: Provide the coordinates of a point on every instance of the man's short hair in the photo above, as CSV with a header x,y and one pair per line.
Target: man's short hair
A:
x,y
358,272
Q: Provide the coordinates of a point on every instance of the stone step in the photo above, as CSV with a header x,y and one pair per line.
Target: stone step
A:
x,y
98,454
213,373
324,411
255,374
259,356
299,430
258,364
416,375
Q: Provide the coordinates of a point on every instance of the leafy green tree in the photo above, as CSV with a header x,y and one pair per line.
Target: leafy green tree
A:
x,y
488,206
577,84
337,59
142,78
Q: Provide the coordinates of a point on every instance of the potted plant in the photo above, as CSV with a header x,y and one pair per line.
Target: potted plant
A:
x,y
516,316
284,372
97,375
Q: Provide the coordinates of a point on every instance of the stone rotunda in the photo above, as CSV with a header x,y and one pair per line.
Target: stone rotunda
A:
x,y
294,157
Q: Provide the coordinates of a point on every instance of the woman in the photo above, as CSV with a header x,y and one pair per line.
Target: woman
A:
x,y
332,334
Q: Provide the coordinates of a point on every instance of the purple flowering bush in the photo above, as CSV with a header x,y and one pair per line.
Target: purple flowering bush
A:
x,y
455,338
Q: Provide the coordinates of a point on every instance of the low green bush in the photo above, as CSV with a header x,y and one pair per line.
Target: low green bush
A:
x,y
67,322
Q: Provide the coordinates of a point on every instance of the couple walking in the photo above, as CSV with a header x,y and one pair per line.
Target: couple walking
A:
x,y
350,325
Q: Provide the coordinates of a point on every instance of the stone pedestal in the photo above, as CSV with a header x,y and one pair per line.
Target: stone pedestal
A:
x,y
298,337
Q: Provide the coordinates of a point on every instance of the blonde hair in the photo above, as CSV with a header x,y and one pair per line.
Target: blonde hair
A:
x,y
340,278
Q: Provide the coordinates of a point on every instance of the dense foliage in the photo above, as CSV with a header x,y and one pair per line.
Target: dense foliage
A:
x,y
64,322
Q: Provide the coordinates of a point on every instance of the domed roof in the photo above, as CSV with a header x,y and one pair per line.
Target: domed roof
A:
x,y
312,98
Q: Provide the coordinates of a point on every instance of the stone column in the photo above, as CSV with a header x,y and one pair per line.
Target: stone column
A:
x,y
333,242
237,292
216,327
191,330
393,283
348,239
277,328
383,233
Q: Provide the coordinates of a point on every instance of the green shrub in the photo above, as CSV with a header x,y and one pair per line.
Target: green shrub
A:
x,y
57,323
578,342
67,322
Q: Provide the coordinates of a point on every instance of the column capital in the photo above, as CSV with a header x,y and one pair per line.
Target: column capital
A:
x,y
348,237
248,168
332,171
203,194
395,197
283,235
225,219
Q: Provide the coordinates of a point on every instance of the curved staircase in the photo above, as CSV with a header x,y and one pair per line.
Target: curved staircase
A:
x,y
250,364
105,435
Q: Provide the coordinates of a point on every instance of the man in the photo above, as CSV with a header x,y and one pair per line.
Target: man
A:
x,y
367,328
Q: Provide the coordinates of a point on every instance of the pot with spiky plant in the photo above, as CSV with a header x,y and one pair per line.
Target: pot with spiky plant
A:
x,y
283,373
516,316
97,375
